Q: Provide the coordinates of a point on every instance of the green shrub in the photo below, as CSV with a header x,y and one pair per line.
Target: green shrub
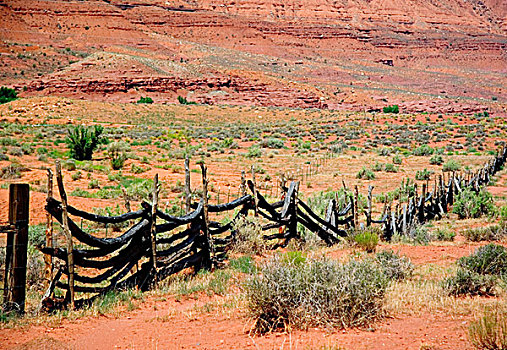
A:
x,y
423,150
423,174
366,174
145,100
489,259
489,332
437,160
397,160
391,109
390,168
444,235
37,235
12,171
254,152
82,141
93,184
136,169
315,293
117,152
182,100
479,273
469,204
272,143
243,264
488,233
367,240
451,165
76,176
377,167
395,267
7,94
467,282
503,213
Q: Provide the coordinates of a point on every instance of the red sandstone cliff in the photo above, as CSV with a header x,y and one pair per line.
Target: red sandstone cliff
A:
x,y
282,53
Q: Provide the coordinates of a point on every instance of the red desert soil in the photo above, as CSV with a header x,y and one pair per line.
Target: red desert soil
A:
x,y
150,328
168,323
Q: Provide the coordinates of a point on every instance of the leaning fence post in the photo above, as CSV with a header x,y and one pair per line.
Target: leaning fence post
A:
x,y
153,229
211,252
188,190
48,258
66,231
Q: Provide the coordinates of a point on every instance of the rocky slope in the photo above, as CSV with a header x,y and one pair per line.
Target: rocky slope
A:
x,y
357,54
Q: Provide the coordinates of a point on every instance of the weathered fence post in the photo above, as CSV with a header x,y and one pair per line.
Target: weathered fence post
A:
x,y
368,214
254,189
48,258
210,254
421,204
242,186
153,229
66,231
356,207
188,190
16,250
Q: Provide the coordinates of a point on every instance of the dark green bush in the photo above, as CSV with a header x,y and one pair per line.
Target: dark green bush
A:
x,y
7,94
145,100
272,143
391,109
82,141
315,293
182,100
489,259
467,282
471,204
479,273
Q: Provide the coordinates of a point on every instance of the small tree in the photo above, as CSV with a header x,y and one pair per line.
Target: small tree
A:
x,y
82,141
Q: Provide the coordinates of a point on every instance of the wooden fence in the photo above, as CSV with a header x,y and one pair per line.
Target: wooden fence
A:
x,y
158,245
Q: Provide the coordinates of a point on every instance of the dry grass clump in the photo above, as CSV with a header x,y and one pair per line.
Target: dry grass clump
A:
x,y
248,238
295,292
488,233
489,332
